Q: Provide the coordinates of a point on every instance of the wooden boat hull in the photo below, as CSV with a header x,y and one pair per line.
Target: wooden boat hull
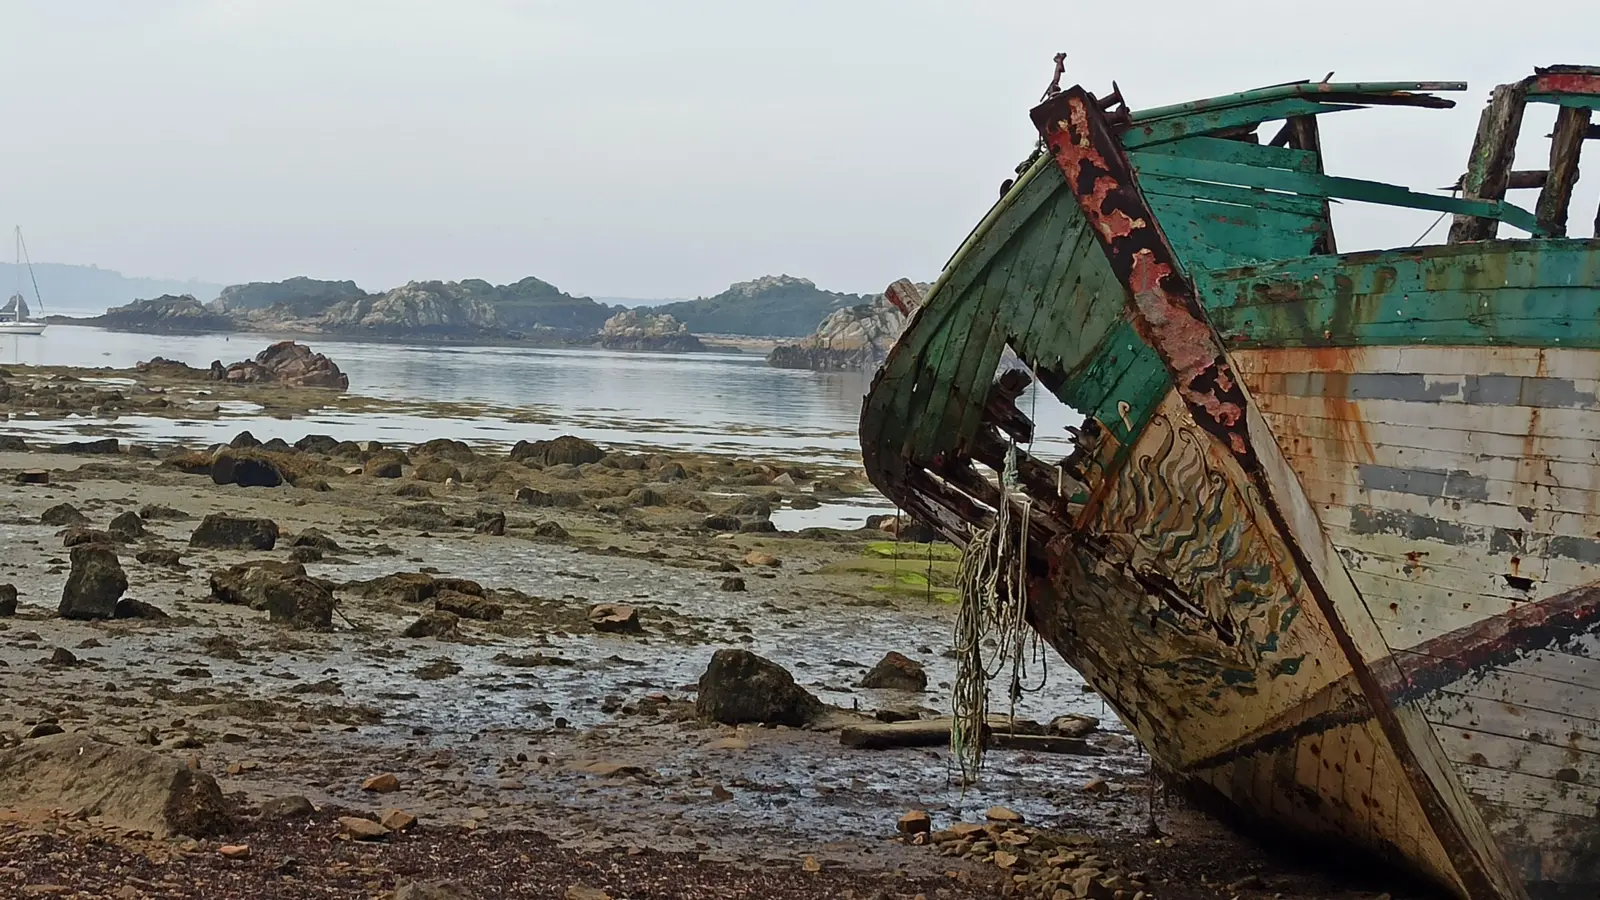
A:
x,y
1256,556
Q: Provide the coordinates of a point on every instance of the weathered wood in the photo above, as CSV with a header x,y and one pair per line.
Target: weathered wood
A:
x,y
1566,143
999,731
1519,180
1489,167
1307,136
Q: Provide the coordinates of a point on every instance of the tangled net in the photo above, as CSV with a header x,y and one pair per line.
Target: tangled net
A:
x,y
992,580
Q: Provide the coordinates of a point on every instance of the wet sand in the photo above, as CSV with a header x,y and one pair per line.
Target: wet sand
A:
x,y
532,744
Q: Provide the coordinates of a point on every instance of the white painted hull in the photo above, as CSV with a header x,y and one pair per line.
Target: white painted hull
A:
x,y
30,328
1461,488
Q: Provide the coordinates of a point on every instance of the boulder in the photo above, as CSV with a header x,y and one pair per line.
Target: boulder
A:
x,y
316,443
405,587
615,618
152,511
437,471
94,584
550,531
160,556
767,560
104,445
490,523
562,450
635,329
8,599
126,526
243,584
434,623
721,523
129,608
1073,725
444,448
286,363
77,534
468,607
290,807
739,686
645,497
246,470
127,787
243,441
732,584
382,466
315,537
852,338
63,514
753,507
10,443
224,532
896,672
421,516
298,603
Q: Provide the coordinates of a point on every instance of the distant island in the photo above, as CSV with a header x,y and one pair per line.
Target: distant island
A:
x,y
77,289
473,310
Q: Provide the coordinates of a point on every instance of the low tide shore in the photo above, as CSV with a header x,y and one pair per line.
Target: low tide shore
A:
x,y
460,697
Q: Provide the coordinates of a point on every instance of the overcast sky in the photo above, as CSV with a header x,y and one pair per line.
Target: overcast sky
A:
x,y
658,149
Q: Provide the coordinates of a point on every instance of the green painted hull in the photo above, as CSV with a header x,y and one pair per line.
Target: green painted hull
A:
x,y
1239,554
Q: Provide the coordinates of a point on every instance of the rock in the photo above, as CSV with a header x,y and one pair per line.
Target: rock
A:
x,y
316,443
721,523
10,443
33,476
246,470
444,448
432,890
166,314
754,507
916,821
565,449
1097,786
291,807
63,514
298,603
63,657
387,783
160,556
127,787
1002,815
421,516
853,338
129,608
403,587
757,558
382,467
643,497
739,686
491,523
126,527
313,537
759,526
435,623
1073,725
550,531
94,584
459,585
8,599
804,503
896,672
635,329
732,584
436,470
102,446
234,851
243,441
44,729
468,607
361,829
150,512
584,892
286,363
439,668
244,584
75,535
224,532
397,820
615,618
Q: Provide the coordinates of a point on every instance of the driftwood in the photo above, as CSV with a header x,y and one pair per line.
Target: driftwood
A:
x,y
1001,731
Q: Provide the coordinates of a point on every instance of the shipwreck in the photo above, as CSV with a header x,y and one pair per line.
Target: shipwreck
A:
x,y
1327,539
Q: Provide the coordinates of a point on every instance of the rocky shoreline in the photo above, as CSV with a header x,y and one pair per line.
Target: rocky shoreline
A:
x,y
595,672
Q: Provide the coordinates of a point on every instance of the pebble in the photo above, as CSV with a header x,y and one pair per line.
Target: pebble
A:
x,y
916,821
362,829
397,820
234,851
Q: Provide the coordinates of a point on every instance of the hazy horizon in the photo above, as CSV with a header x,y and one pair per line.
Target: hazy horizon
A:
x,y
648,151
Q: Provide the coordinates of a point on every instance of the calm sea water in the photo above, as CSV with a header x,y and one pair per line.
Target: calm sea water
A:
x,y
730,402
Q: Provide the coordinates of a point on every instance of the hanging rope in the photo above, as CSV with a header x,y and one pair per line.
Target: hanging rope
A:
x,y
994,599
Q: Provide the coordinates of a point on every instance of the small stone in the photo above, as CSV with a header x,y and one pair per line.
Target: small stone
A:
x,y
1003,815
584,892
896,672
811,864
234,851
916,821
757,558
63,657
387,783
397,820
1005,860
732,584
362,829
1097,786
291,807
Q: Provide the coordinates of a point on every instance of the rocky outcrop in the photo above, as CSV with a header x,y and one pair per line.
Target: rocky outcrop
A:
x,y
223,532
774,305
298,297
167,314
94,585
635,330
286,363
848,339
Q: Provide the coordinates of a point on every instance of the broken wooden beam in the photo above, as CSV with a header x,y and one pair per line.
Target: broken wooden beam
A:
x,y
1000,731
1489,167
1001,407
1518,180
1566,144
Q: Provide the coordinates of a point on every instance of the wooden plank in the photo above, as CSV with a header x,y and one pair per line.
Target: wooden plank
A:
x,y
1159,131
1566,144
1240,152
1296,89
1326,186
1488,168
1308,138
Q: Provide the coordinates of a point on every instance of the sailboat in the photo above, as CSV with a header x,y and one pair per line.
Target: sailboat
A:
x,y
14,315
